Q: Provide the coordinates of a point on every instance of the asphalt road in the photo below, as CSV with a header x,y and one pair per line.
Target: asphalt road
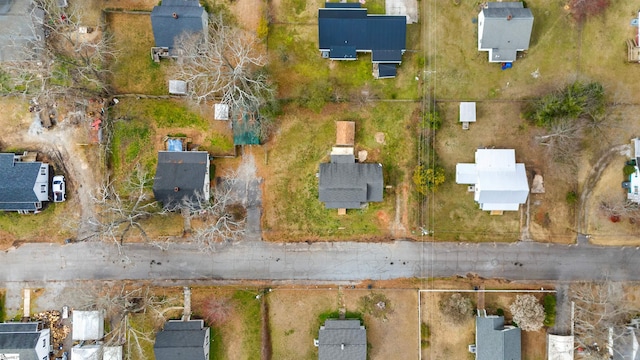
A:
x,y
346,261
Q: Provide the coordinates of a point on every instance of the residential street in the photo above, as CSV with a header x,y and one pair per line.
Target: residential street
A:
x,y
319,262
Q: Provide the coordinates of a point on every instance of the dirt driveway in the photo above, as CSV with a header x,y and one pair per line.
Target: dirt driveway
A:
x,y
68,148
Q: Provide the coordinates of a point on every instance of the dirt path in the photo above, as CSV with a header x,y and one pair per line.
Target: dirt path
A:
x,y
592,180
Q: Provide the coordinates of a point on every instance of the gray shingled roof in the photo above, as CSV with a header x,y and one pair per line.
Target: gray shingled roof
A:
x,y
179,174
342,340
507,28
181,340
191,18
16,183
494,342
349,185
19,338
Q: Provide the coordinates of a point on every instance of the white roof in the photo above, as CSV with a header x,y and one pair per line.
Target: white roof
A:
x,y
221,112
636,143
500,183
87,325
86,352
466,174
559,347
467,112
341,150
112,353
177,87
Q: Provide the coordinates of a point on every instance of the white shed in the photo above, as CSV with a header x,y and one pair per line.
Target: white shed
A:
x,y
559,347
221,112
87,325
177,87
467,113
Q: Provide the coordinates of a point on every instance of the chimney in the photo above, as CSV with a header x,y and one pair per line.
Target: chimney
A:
x,y
342,346
175,15
176,189
509,17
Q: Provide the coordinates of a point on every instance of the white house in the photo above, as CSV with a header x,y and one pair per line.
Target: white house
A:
x,y
24,341
633,193
504,28
499,184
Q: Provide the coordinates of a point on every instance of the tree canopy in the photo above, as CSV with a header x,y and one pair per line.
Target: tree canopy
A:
x,y
575,101
428,178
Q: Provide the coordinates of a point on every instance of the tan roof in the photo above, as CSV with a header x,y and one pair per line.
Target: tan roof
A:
x,y
345,133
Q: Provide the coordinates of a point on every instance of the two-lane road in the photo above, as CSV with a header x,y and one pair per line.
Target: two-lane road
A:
x,y
342,261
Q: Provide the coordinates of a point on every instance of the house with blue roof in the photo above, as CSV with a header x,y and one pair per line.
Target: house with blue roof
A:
x,y
173,18
24,185
345,29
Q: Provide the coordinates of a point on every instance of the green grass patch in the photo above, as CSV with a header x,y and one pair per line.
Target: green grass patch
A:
x,y
305,141
143,324
335,314
3,311
216,347
131,145
549,302
47,224
218,144
247,306
134,71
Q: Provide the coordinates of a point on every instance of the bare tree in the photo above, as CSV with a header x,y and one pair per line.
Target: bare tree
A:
x,y
228,65
601,313
223,215
620,208
456,307
66,62
527,312
563,141
118,214
120,302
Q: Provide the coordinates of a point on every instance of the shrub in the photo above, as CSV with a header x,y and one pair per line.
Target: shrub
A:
x,y
500,312
549,310
376,305
575,101
428,179
456,307
571,198
628,170
431,120
527,312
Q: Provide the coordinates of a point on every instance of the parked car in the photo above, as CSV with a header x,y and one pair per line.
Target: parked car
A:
x,y
626,184
59,192
65,312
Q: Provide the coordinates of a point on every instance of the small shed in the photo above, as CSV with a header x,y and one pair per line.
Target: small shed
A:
x,y
467,114
177,87
221,112
345,134
87,325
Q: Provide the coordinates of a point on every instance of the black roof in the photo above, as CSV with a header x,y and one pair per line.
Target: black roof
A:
x,y
191,17
181,340
348,185
16,183
179,174
350,26
386,70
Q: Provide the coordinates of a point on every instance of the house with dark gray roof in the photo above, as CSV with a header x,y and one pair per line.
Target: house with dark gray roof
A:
x,y
24,185
495,340
24,341
342,340
173,18
182,340
345,29
180,176
26,21
504,28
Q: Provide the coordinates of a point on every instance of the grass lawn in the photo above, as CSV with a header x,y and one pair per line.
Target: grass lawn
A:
x,y
240,336
304,141
47,226
133,70
141,125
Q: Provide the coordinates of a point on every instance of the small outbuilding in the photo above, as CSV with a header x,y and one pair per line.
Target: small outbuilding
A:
x,y
87,325
560,347
467,114
177,87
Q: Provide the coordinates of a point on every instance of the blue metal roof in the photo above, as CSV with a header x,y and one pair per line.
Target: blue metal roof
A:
x,y
386,71
190,18
353,27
